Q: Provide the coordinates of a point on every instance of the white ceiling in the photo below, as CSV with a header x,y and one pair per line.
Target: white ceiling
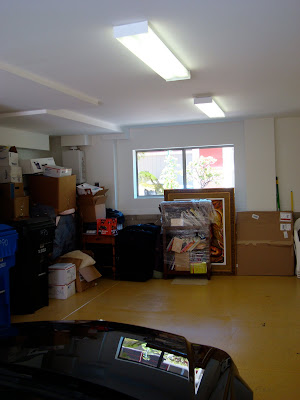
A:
x,y
244,53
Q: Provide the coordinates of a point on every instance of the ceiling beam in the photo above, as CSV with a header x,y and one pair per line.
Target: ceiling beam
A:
x,y
67,115
49,83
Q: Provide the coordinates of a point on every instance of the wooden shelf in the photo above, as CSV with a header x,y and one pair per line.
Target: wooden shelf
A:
x,y
172,272
102,239
183,228
186,252
172,231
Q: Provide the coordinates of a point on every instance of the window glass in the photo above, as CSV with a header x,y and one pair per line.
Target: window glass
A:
x,y
159,170
211,167
192,168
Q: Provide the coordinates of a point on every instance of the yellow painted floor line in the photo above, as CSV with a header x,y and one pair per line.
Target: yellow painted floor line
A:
x,y
98,295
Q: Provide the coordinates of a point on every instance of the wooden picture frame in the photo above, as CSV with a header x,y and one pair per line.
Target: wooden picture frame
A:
x,y
223,254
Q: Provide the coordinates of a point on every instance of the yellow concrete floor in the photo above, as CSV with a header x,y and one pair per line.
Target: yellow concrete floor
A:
x,y
255,319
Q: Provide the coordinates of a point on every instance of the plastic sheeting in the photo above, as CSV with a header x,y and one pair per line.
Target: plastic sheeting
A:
x,y
187,231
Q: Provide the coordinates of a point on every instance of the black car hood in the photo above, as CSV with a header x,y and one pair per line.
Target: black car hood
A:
x,y
118,361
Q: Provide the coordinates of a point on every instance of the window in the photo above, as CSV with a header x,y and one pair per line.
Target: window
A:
x,y
192,168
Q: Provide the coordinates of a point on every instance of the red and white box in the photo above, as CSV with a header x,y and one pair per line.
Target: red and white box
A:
x,y
62,292
61,274
57,172
61,280
107,226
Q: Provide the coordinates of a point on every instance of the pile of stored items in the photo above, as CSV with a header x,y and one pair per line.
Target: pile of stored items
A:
x,y
38,200
186,236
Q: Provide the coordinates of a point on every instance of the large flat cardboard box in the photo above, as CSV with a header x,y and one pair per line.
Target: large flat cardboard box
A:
x,y
92,207
265,244
59,193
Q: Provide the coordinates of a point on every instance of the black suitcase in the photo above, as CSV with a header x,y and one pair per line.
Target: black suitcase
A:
x,y
138,252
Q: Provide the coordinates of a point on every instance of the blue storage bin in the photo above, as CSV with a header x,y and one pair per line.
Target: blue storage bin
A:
x,y
8,241
4,298
7,262
8,247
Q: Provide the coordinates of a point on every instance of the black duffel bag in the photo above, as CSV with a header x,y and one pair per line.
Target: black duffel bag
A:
x,y
138,252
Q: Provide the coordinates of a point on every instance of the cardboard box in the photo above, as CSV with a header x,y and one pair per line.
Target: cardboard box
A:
x,y
265,244
92,207
61,291
85,188
21,207
61,273
56,171
107,226
11,190
11,174
59,193
8,156
35,165
182,261
86,277
14,208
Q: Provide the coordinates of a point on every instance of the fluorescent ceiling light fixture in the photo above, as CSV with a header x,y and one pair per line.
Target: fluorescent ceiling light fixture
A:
x,y
140,39
209,107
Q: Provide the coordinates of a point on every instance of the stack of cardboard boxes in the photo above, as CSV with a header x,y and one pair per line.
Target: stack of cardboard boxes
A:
x,y
13,203
92,208
61,280
57,189
50,184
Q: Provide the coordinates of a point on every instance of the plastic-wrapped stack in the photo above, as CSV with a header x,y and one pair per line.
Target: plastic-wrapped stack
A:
x,y
186,228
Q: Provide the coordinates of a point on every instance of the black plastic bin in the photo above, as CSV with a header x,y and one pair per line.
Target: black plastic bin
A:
x,y
138,252
29,278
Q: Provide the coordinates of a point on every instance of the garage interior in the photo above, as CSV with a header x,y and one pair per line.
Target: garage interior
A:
x,y
68,85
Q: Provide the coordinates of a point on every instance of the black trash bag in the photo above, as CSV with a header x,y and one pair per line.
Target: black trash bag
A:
x,y
110,213
65,239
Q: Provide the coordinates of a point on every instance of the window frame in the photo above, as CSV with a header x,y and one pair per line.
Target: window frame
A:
x,y
182,149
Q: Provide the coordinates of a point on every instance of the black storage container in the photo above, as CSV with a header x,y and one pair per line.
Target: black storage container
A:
x,y
138,252
29,278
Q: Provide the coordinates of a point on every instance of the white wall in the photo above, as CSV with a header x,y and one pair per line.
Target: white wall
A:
x,y
23,139
25,154
287,135
177,136
260,164
110,162
100,166
56,149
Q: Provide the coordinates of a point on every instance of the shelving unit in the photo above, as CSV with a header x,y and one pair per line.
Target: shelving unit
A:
x,y
186,229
